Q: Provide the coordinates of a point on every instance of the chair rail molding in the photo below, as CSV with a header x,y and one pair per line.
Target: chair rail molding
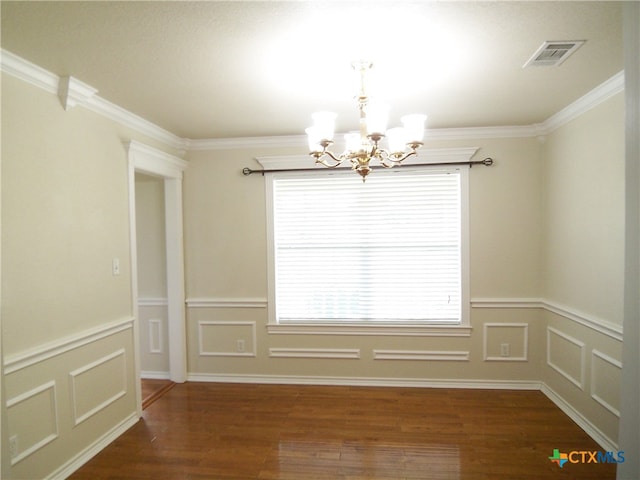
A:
x,y
14,363
217,302
605,327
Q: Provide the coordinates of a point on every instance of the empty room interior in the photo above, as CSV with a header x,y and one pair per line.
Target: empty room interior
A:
x,y
340,214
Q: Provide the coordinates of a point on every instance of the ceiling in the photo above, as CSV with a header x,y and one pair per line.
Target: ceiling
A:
x,y
206,70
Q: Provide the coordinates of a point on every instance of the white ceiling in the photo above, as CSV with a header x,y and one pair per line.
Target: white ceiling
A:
x,y
244,69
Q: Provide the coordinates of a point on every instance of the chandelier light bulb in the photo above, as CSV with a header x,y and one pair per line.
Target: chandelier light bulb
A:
x,y
397,140
352,142
324,123
414,127
377,114
314,139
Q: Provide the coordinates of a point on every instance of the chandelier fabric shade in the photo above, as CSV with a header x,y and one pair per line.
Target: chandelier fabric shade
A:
x,y
364,146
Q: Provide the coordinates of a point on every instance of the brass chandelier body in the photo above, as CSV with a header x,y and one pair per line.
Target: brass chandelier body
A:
x,y
364,146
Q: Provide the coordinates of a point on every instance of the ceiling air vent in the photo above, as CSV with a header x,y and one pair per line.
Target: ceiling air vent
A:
x,y
552,54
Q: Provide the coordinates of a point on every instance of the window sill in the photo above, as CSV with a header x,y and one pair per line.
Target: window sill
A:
x,y
356,329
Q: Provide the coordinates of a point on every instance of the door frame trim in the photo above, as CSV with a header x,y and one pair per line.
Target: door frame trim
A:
x,y
150,161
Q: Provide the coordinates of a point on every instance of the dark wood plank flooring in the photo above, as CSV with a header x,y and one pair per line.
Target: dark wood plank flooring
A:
x,y
233,431
153,389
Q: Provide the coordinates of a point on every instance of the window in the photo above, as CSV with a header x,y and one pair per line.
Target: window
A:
x,y
390,251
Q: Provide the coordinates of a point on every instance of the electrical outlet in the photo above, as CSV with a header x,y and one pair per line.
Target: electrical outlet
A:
x,y
505,350
13,445
240,346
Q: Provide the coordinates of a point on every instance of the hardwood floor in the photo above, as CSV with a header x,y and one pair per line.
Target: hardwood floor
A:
x,y
153,389
233,431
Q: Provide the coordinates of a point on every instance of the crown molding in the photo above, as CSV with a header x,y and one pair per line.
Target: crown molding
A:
x,y
126,118
81,94
294,141
73,92
300,141
595,97
601,93
28,72
473,133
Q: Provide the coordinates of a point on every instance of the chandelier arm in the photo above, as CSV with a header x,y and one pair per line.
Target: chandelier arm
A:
x,y
387,165
395,161
324,161
407,155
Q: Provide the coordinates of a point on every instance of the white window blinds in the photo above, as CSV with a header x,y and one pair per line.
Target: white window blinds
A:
x,y
388,250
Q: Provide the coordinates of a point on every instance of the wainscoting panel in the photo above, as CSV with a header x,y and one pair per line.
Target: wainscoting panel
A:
x,y
582,373
227,338
155,335
566,355
33,414
421,355
605,381
97,385
506,342
333,353
68,398
547,348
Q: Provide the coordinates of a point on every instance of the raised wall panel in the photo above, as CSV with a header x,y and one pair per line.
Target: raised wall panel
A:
x,y
334,353
566,355
421,355
221,338
155,335
97,385
514,335
32,420
605,381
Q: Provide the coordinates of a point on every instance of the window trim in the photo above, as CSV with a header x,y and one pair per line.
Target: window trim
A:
x,y
396,328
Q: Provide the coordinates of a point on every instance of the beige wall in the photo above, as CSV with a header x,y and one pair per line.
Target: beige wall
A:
x,y
226,252
150,237
583,245
65,217
583,193
67,321
226,258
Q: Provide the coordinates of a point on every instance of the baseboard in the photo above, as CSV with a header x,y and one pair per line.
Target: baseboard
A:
x,y
365,381
605,442
96,447
146,374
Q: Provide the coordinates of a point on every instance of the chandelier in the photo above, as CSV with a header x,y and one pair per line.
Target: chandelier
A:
x,y
364,146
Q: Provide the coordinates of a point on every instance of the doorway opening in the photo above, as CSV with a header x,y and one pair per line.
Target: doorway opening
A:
x,y
147,162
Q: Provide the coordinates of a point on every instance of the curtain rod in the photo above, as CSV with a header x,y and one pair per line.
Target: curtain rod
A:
x,y
487,162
